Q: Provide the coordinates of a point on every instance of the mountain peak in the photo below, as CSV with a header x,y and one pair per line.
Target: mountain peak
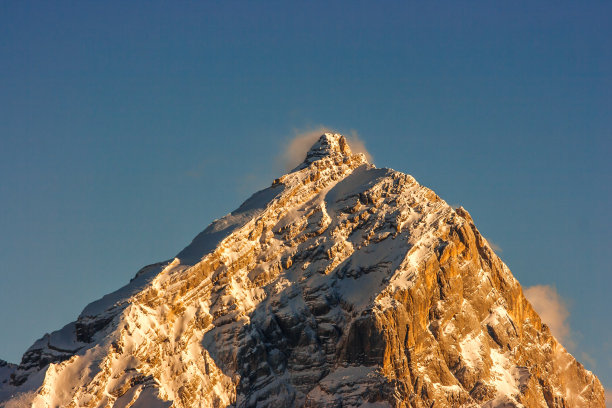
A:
x,y
329,144
342,284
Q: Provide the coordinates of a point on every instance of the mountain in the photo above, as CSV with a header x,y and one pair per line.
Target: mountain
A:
x,y
339,285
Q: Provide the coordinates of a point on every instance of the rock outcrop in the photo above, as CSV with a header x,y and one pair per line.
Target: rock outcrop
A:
x,y
340,285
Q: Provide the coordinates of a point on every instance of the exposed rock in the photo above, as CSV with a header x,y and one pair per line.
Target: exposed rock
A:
x,y
340,285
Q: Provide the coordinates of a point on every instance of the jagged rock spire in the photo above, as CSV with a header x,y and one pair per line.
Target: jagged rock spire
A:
x,y
328,144
340,284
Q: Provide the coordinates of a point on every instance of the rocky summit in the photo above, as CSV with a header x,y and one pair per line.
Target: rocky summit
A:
x,y
340,285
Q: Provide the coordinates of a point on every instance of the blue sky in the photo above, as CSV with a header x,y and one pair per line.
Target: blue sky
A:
x,y
126,128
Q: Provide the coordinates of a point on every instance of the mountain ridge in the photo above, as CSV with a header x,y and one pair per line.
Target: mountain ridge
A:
x,y
341,284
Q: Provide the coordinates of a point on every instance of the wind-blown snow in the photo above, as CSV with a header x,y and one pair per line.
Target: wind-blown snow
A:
x,y
256,309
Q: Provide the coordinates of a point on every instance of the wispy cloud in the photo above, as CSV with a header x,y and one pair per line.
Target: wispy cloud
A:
x,y
552,310
297,146
357,145
495,247
587,358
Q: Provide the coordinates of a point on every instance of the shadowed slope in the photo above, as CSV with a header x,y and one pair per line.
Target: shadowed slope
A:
x,y
340,285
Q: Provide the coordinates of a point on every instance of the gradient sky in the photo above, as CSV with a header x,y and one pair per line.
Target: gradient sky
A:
x,y
126,129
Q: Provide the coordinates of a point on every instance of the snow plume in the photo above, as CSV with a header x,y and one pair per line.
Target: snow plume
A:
x,y
608,394
358,146
587,358
494,246
21,400
297,147
552,310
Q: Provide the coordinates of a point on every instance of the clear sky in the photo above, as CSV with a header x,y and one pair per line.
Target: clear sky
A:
x,y
126,128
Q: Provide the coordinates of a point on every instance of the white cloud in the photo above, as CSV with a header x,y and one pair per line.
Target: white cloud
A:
x,y
297,147
552,310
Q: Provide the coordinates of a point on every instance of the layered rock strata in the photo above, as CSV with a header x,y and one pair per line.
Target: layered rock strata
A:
x,y
339,285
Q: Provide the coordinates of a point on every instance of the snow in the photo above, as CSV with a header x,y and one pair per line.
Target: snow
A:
x,y
504,380
449,389
360,180
471,348
20,400
373,264
120,296
348,373
23,395
179,325
208,239
5,371
148,398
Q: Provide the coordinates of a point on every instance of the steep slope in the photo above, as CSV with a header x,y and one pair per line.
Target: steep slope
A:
x,y
340,285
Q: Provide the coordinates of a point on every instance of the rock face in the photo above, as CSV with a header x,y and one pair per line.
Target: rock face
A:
x,y
340,285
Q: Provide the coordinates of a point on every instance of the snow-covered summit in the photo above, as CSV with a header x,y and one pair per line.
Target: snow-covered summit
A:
x,y
339,285
328,144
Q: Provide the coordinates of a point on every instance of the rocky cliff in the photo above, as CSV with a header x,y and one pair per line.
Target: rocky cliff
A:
x,y
339,285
